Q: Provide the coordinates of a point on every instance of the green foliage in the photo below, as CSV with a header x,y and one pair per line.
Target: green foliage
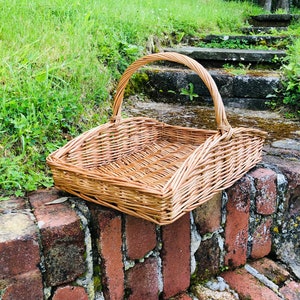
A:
x,y
241,69
291,82
288,97
189,92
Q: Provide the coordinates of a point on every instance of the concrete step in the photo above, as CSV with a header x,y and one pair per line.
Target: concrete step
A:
x,y
273,20
268,40
264,24
250,90
216,57
262,29
278,41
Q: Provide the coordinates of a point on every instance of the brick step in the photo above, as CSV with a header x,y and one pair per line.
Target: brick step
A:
x,y
249,90
216,57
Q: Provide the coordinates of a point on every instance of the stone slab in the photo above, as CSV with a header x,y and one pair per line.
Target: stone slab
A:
x,y
229,55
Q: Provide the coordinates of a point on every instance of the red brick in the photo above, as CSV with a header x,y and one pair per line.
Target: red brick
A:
x,y
140,237
109,227
176,240
24,287
70,293
62,238
247,286
265,184
208,215
19,248
291,290
272,270
262,240
236,230
143,279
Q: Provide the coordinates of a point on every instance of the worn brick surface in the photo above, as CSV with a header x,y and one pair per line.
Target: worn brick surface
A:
x,y
62,238
265,184
23,287
291,290
208,258
208,215
12,205
272,270
176,256
143,280
291,170
19,248
70,293
262,240
236,229
247,286
140,237
108,225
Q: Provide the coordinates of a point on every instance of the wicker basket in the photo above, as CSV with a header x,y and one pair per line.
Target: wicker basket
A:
x,y
152,170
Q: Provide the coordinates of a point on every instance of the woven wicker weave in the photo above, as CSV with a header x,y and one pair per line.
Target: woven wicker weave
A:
x,y
152,170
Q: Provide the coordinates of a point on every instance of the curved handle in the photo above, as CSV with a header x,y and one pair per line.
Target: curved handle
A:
x,y
221,119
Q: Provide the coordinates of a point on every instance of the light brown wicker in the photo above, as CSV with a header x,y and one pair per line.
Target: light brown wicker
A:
x,y
152,170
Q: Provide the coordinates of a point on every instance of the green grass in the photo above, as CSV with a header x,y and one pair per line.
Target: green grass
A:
x,y
61,59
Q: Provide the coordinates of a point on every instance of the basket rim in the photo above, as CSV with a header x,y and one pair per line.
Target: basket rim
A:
x,y
54,159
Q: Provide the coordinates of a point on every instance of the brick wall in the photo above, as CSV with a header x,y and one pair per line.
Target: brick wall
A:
x,y
79,250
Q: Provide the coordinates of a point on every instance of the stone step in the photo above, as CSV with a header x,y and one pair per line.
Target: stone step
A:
x,y
278,41
273,20
216,57
262,29
250,90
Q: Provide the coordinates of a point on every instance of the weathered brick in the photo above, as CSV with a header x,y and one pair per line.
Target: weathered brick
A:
x,y
291,290
12,205
108,225
70,293
143,280
19,248
62,238
265,184
247,286
272,270
236,229
208,215
23,287
262,240
140,237
208,258
176,256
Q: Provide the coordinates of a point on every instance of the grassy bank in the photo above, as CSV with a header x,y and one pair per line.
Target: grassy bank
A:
x,y
60,60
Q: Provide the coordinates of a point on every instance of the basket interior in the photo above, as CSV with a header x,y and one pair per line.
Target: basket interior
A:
x,y
155,160
153,166
138,150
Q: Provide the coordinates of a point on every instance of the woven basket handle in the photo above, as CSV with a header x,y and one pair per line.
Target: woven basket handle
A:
x,y
221,119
